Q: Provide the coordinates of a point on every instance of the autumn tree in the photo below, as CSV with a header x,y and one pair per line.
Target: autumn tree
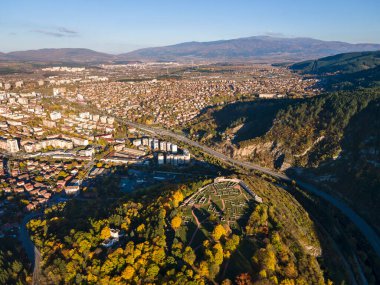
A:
x,y
105,233
232,243
128,272
218,232
177,198
244,279
226,282
218,254
287,282
176,222
140,228
189,255
266,258
291,270
203,269
152,271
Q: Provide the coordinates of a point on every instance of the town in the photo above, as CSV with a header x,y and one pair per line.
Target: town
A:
x,y
51,151
53,140
166,94
66,131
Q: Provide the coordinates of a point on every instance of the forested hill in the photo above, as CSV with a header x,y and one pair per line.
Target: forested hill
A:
x,y
341,63
309,133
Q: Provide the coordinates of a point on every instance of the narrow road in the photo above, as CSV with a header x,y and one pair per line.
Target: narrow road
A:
x,y
362,225
197,229
32,251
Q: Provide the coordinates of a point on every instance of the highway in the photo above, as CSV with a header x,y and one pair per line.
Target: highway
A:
x,y
360,223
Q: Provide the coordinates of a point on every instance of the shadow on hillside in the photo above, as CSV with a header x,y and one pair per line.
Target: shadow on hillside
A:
x,y
243,220
194,236
256,116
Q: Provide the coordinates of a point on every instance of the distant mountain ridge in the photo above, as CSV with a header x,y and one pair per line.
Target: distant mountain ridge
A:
x,y
261,48
61,54
251,48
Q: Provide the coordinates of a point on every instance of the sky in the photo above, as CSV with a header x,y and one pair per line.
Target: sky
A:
x,y
117,26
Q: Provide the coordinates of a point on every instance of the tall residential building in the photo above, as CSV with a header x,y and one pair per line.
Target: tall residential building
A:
x,y
13,145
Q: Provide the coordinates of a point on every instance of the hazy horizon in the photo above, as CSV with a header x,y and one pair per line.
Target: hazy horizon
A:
x,y
117,53
121,26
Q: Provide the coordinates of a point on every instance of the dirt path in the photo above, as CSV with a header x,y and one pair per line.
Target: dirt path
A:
x,y
196,230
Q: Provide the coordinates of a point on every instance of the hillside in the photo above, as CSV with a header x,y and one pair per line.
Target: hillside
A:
x,y
161,244
361,79
58,55
340,63
258,47
355,176
332,139
308,133
283,133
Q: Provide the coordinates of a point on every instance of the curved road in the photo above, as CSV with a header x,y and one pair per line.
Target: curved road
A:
x,y
361,224
32,252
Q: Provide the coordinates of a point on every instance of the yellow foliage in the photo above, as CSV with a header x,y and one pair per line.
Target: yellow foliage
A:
x,y
263,273
217,253
189,273
270,260
203,268
176,222
274,279
218,232
291,270
177,198
91,278
136,253
140,228
158,255
124,226
105,233
128,272
287,282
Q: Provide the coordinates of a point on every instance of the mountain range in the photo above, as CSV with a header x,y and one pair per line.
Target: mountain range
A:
x,y
57,55
257,48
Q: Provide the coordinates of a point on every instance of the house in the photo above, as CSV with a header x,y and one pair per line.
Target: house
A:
x,y
114,233
137,142
30,207
73,188
28,187
118,147
55,115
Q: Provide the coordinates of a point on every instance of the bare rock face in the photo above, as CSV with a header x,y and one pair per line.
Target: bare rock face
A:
x,y
268,154
227,148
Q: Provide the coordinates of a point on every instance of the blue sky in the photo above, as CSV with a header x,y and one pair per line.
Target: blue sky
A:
x,y
118,26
